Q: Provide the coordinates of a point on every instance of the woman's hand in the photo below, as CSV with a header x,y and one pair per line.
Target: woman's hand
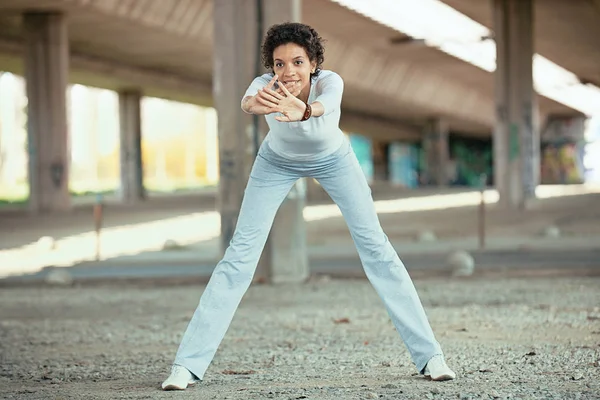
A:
x,y
265,101
290,106
268,101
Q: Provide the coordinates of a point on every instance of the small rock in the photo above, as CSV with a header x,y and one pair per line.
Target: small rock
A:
x,y
494,394
461,263
372,395
389,386
551,231
319,279
46,243
435,391
59,277
426,237
577,376
170,244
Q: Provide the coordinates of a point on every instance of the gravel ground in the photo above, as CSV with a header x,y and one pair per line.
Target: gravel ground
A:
x,y
529,338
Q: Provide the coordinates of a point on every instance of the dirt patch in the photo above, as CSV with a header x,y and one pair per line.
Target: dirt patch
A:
x,y
529,338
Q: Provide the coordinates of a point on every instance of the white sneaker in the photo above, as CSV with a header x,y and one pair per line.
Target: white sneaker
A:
x,y
437,369
179,379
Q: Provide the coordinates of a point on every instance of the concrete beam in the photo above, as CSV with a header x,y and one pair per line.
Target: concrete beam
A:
x,y
405,83
379,128
103,73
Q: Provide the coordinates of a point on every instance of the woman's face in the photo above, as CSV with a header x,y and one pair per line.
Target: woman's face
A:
x,y
293,67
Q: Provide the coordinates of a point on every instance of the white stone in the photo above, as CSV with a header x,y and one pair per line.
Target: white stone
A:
x,y
462,263
59,277
551,231
426,237
170,244
46,243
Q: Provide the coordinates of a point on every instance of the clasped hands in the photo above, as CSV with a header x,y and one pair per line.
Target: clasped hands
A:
x,y
268,101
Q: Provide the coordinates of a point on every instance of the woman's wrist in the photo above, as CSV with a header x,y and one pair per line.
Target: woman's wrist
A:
x,y
307,112
316,109
247,108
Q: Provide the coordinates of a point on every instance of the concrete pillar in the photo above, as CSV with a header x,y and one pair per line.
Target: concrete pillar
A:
x,y
437,153
238,26
46,61
132,172
380,161
287,248
516,133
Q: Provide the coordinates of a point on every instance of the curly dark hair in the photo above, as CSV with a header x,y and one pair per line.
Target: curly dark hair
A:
x,y
293,32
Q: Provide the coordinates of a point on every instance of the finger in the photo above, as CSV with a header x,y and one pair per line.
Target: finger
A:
x,y
270,95
285,91
276,94
266,102
282,119
272,82
280,92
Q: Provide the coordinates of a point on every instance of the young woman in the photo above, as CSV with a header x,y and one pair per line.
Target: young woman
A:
x,y
301,103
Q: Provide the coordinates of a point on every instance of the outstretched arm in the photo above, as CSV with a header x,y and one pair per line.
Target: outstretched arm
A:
x,y
264,101
331,89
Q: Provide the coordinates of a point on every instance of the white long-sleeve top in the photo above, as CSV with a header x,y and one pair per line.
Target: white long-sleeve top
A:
x,y
316,137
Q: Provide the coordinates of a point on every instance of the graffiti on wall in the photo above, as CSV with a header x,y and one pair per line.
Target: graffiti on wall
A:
x,y
403,161
562,163
469,159
562,151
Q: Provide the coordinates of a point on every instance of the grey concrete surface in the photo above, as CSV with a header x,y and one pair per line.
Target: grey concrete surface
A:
x,y
528,338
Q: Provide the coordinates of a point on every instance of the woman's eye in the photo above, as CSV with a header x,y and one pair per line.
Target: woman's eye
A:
x,y
298,62
279,65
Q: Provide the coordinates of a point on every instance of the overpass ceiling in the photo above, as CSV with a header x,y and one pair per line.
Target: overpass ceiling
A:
x,y
403,81
161,34
415,80
567,32
166,49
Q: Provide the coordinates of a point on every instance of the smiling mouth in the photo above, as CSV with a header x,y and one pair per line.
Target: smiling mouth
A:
x,y
290,82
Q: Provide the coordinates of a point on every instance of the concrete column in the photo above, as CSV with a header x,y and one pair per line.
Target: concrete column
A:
x,y
287,248
437,154
238,26
516,134
132,171
380,161
46,61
